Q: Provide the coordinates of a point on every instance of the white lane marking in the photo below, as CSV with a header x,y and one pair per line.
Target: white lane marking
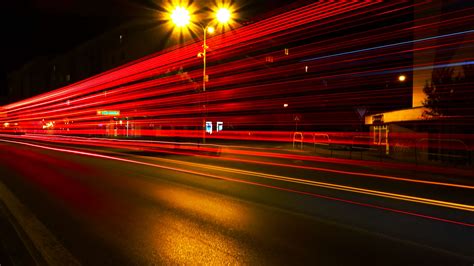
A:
x,y
268,176
53,252
239,180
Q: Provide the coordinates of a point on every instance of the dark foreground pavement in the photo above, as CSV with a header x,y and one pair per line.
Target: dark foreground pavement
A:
x,y
108,212
13,250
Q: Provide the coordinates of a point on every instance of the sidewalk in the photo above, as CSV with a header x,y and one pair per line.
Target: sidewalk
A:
x,y
12,249
345,156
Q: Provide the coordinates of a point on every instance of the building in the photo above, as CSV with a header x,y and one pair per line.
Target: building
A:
x,y
114,48
441,41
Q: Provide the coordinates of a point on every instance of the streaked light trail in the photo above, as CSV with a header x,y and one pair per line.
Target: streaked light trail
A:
x,y
399,197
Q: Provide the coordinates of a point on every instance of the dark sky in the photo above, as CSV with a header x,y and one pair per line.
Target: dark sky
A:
x,y
31,28
44,27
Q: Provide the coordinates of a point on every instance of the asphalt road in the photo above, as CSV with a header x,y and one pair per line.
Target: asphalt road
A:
x,y
170,209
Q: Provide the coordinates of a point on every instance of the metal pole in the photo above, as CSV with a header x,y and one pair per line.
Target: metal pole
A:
x,y
204,47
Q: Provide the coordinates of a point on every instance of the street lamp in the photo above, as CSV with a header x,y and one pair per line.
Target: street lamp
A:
x,y
181,18
223,15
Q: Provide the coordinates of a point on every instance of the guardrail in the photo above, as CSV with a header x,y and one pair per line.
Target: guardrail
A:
x,y
363,146
324,140
300,139
439,147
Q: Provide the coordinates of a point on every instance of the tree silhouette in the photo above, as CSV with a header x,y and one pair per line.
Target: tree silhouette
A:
x,y
449,94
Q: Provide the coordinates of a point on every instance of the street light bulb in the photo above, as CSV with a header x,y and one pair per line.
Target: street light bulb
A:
x,y
223,15
210,30
180,16
402,78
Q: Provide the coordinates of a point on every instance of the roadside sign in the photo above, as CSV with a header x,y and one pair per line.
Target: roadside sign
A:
x,y
108,112
219,126
361,111
209,127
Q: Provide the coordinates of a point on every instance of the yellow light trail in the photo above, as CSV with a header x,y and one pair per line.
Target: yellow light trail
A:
x,y
233,150
371,192
96,155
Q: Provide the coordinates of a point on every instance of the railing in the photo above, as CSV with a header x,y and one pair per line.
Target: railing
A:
x,y
362,146
447,150
300,139
322,140
380,135
441,147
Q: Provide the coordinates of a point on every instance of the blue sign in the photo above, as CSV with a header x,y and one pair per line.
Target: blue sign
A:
x,y
209,127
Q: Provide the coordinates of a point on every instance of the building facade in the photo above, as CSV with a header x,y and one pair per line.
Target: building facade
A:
x,y
112,49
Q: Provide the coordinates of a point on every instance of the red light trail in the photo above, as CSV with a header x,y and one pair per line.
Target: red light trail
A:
x,y
303,71
400,197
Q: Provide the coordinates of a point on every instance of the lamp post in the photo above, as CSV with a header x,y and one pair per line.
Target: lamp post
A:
x,y
181,18
203,54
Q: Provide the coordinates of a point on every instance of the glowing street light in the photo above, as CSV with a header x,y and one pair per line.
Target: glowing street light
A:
x,y
223,15
402,78
210,29
181,18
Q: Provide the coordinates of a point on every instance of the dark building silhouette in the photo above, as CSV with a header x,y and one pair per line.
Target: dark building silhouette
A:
x,y
114,48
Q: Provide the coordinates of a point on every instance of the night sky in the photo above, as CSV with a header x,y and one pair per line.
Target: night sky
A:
x,y
50,27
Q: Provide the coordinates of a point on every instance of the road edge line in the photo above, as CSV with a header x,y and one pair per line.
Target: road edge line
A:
x,y
45,243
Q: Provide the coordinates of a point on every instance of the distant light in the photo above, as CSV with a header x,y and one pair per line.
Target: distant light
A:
x,y
306,69
6,124
223,15
180,16
402,78
285,105
48,125
210,30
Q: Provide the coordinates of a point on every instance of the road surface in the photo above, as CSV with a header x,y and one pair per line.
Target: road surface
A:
x,y
104,208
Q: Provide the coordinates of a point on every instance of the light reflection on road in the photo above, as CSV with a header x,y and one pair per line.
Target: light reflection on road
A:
x,y
197,229
206,207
